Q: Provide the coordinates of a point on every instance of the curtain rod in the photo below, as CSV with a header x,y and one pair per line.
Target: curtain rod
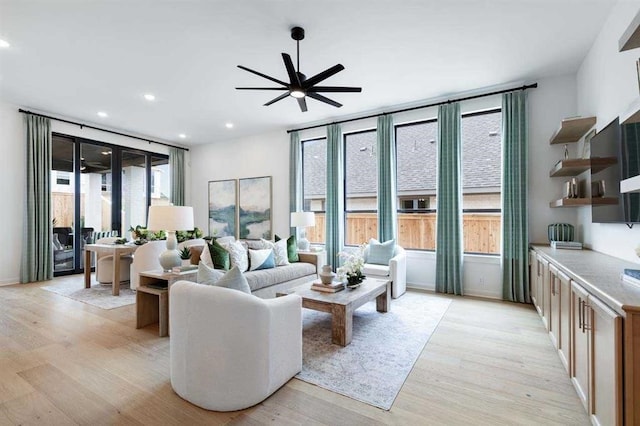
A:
x,y
102,130
497,92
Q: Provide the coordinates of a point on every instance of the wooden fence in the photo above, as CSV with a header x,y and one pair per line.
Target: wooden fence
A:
x,y
481,231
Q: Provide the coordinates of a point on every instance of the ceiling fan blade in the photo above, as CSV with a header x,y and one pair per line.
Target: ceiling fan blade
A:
x,y
322,76
324,99
261,88
303,104
334,89
293,75
275,80
279,98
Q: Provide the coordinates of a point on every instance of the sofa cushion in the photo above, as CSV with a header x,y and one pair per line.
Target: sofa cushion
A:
x,y
207,275
380,253
292,248
234,279
375,270
219,256
268,277
261,259
279,251
238,254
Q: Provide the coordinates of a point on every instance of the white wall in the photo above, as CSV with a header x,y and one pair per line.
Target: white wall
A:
x,y
12,176
606,84
263,155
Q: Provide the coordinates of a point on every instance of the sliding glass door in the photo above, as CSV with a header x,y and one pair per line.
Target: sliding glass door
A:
x,y
98,188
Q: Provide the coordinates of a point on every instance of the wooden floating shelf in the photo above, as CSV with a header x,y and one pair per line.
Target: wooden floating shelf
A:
x,y
574,167
631,37
632,114
577,202
572,129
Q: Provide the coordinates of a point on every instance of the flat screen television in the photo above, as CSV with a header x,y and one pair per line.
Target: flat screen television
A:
x,y
621,142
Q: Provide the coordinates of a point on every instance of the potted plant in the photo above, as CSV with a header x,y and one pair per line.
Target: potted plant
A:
x,y
185,255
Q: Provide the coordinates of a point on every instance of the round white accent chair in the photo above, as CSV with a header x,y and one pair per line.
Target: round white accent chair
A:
x,y
230,350
396,271
145,258
104,264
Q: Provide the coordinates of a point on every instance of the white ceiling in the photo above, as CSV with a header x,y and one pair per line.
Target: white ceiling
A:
x,y
75,58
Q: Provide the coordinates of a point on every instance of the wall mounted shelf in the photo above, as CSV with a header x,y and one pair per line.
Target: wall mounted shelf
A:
x,y
572,129
631,37
574,167
632,114
577,202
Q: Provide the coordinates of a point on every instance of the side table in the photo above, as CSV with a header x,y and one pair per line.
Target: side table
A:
x,y
152,297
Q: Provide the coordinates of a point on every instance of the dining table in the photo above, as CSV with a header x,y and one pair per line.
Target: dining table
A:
x,y
117,251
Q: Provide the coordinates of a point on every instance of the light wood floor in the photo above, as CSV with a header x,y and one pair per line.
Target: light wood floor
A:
x,y
65,362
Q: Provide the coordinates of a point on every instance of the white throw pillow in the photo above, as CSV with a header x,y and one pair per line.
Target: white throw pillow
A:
x,y
207,275
279,250
235,280
237,253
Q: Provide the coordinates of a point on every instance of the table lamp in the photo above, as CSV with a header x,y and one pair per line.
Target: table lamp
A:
x,y
170,219
303,220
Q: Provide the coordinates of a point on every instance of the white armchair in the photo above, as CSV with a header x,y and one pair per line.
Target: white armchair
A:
x,y
145,258
230,350
396,271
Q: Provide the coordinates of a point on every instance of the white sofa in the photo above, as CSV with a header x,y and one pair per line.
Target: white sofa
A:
x,y
230,350
396,271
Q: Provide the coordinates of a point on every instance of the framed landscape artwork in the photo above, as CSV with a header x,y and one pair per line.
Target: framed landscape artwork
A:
x,y
223,208
255,208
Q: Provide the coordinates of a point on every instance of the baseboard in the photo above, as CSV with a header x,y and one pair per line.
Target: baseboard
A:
x,y
10,281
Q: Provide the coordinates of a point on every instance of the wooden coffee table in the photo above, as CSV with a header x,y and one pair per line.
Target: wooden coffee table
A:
x,y
342,304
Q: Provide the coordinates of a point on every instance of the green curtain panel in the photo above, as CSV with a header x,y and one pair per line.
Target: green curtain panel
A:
x,y
387,209
515,244
176,167
449,243
335,200
37,247
295,175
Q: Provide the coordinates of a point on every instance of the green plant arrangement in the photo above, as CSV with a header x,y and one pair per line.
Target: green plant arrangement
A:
x,y
189,235
185,253
121,241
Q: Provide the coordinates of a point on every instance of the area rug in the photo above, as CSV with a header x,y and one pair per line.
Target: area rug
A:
x,y
98,295
373,368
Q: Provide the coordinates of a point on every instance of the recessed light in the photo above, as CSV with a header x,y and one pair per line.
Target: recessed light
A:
x,y
102,114
182,136
4,44
149,97
229,125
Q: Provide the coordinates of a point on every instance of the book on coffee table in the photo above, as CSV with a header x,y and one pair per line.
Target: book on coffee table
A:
x,y
328,288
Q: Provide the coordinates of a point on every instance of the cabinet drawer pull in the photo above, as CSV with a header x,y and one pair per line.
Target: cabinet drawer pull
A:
x,y
580,313
587,324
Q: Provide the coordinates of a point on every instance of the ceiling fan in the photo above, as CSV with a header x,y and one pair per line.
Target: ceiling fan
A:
x,y
299,86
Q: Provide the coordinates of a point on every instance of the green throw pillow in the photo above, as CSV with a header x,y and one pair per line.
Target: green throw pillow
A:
x,y
219,256
292,248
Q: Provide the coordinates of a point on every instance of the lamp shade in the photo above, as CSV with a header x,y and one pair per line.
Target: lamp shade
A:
x,y
170,218
303,219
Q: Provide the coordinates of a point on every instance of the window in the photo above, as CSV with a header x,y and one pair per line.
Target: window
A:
x,y
361,187
482,181
416,164
314,185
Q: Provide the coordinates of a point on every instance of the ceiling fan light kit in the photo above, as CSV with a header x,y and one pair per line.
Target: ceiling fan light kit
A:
x,y
299,86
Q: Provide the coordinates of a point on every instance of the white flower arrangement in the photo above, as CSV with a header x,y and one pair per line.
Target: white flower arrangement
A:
x,y
352,263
